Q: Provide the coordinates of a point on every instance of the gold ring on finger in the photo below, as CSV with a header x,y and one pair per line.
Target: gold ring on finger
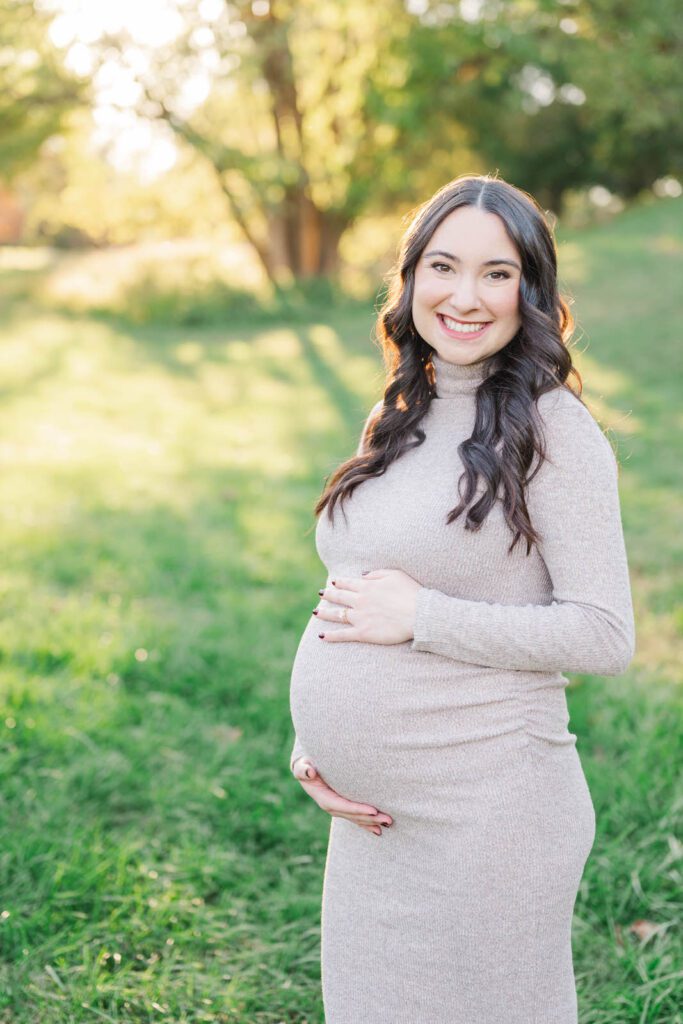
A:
x,y
345,616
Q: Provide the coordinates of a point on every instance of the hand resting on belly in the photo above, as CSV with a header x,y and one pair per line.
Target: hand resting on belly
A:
x,y
378,608
365,815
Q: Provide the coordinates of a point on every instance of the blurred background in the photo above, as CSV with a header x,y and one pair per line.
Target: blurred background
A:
x,y
199,201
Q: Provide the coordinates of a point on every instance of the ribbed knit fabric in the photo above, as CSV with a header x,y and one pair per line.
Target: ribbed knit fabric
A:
x,y
461,911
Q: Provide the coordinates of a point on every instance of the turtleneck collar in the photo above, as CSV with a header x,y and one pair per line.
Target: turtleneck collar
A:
x,y
453,379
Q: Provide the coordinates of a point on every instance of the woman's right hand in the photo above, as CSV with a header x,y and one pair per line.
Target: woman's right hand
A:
x,y
365,815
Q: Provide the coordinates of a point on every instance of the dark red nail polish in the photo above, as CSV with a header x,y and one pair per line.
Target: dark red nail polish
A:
x,y
315,611
321,635
333,582
365,572
320,592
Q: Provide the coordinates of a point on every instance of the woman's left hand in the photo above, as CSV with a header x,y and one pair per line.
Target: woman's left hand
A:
x,y
380,607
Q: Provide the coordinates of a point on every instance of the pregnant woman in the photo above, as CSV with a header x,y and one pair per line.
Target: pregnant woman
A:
x,y
474,553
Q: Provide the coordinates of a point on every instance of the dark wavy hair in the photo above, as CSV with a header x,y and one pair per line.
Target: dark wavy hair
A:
x,y
507,427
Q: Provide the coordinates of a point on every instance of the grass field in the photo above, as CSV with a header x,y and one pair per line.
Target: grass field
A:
x,y
157,860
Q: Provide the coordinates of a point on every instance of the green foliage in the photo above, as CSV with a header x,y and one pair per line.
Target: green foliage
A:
x,y
293,124
158,566
63,192
302,118
212,302
181,283
555,96
316,114
35,91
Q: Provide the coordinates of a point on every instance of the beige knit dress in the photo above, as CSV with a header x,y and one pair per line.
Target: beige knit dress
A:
x,y
461,912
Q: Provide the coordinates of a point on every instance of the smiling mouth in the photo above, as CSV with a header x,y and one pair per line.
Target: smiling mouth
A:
x,y
463,328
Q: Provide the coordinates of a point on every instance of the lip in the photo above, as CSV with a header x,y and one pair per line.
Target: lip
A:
x,y
464,335
459,321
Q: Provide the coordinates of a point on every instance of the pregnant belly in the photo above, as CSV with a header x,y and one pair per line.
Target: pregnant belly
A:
x,y
381,722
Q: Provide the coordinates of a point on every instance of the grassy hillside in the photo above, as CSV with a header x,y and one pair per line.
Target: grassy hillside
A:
x,y
157,860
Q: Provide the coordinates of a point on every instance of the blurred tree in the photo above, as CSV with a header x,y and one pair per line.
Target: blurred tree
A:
x,y
292,119
629,63
35,90
557,96
63,191
311,113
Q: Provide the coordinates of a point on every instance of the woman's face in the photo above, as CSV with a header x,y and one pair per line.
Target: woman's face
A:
x,y
466,294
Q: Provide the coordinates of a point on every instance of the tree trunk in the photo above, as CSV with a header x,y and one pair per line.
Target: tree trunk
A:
x,y
303,241
11,217
333,227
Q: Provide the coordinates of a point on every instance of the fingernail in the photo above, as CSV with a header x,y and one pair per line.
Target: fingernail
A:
x,y
333,582
320,592
315,611
309,773
365,573
321,635
385,823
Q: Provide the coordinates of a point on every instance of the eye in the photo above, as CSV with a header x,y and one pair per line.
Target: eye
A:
x,y
438,266
502,275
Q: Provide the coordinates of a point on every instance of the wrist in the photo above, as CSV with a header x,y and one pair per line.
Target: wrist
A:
x,y
418,599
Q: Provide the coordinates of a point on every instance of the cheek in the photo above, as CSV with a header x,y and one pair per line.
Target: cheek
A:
x,y
427,293
506,303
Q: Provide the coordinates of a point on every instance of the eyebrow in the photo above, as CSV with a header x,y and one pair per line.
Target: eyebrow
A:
x,y
456,259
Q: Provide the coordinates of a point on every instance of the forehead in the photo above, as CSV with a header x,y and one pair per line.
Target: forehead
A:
x,y
473,234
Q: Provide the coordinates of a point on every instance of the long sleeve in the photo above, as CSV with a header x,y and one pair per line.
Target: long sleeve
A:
x,y
573,502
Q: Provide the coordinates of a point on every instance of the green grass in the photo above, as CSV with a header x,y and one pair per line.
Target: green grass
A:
x,y
157,860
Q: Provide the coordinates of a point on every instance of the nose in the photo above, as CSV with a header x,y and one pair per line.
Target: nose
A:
x,y
464,296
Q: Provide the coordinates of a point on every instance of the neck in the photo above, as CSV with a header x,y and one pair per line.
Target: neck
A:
x,y
454,379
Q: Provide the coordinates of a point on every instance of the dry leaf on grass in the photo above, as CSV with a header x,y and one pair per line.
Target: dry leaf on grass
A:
x,y
644,930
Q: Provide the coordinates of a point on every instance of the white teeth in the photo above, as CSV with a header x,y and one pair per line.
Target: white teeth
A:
x,y
453,325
